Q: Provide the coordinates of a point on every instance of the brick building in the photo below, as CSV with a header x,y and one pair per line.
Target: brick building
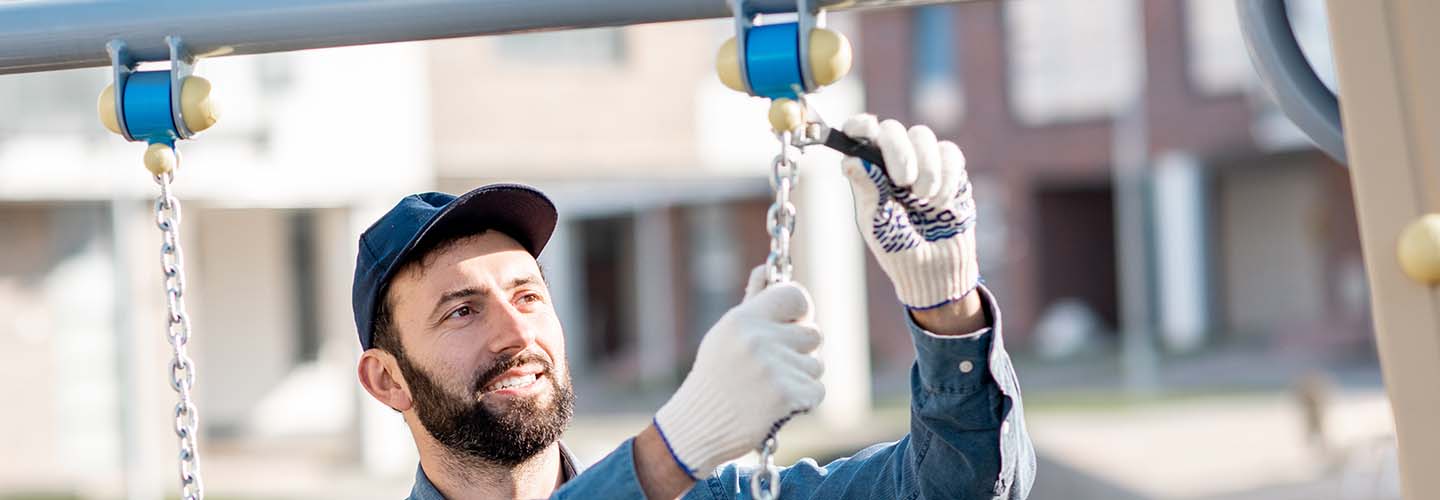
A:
x,y
1032,91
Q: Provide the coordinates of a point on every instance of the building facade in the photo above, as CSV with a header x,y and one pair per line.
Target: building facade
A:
x,y
1248,232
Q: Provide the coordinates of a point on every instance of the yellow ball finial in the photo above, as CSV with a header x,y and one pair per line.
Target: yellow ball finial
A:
x,y
160,159
1419,249
786,114
106,109
830,56
727,66
196,106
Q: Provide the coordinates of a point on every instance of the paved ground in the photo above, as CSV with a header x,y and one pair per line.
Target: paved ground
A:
x,y
1226,428
1221,448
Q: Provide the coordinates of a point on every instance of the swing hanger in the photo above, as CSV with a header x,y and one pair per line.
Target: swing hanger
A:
x,y
158,107
785,61
778,61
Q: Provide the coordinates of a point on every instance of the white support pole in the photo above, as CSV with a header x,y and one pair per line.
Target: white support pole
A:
x,y
137,449
565,271
1131,158
1182,275
655,296
830,262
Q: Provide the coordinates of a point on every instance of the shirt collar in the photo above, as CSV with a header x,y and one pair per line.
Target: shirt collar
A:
x,y
425,490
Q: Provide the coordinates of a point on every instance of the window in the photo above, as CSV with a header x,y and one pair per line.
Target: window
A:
x,y
1215,55
304,273
1072,60
1217,58
937,95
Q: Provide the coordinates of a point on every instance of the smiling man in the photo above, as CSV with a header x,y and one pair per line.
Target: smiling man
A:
x,y
461,337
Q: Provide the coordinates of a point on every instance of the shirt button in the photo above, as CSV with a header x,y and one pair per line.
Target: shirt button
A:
x,y
966,366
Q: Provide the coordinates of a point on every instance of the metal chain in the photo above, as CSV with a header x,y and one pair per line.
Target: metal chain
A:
x,y
780,223
182,368
780,218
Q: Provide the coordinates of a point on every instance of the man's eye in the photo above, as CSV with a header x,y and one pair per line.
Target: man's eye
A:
x,y
461,312
531,298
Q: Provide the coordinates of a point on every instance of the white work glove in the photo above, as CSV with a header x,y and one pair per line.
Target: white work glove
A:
x,y
755,367
920,223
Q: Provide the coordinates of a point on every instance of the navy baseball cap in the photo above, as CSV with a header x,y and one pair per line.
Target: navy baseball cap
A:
x,y
421,220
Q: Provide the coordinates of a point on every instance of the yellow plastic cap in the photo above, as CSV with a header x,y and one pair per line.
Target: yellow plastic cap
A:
x,y
727,66
160,159
1419,249
196,106
830,56
786,114
106,109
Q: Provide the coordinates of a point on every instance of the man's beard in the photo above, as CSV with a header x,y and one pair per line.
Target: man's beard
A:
x,y
470,428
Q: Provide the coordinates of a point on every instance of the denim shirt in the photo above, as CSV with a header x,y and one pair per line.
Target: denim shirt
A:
x,y
425,490
967,439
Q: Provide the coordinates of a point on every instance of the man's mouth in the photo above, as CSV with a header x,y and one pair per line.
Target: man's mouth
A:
x,y
515,380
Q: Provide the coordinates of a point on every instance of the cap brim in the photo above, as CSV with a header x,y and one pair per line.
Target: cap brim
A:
x,y
521,212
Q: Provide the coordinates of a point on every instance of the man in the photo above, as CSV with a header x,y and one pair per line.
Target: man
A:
x,y
461,337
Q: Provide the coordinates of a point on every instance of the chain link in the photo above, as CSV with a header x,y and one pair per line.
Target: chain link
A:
x,y
765,484
780,223
780,218
177,329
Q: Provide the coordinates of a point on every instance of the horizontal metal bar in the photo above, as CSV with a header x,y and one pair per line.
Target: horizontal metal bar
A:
x,y
46,36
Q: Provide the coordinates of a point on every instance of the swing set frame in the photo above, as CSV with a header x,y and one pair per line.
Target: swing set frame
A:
x,y
1382,50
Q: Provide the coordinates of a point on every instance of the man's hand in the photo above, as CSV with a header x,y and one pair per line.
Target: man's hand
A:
x,y
917,215
755,367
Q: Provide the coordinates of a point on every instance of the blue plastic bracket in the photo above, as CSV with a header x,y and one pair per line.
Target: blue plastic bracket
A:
x,y
147,107
774,58
158,118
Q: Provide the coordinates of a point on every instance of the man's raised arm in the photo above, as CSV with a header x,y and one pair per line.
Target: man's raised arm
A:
x,y
917,216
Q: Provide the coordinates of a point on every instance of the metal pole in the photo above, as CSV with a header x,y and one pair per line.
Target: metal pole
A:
x,y
1130,156
138,485
47,36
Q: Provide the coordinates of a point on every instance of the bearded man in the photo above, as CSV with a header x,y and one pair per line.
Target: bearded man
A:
x,y
461,337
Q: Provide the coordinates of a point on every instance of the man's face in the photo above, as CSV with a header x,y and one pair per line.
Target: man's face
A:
x,y
484,355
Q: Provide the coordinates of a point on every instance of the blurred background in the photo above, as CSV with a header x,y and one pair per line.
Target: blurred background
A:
x,y
1178,268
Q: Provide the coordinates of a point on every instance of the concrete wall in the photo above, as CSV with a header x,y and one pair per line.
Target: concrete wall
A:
x,y
244,309
499,115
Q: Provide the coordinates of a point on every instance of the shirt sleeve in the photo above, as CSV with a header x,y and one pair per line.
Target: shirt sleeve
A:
x,y
967,435
612,478
967,418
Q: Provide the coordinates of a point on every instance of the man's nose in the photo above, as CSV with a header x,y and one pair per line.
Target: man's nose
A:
x,y
511,330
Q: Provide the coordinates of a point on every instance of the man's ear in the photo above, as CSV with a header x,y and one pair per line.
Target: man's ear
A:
x,y
379,373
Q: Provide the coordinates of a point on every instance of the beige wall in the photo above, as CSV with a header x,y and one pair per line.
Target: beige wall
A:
x,y
25,331
243,309
77,380
497,116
